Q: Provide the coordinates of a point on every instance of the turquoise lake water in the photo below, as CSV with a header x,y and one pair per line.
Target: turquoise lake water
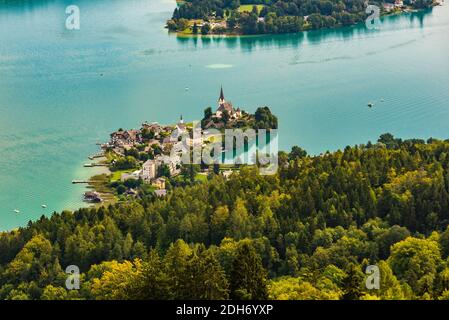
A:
x,y
62,91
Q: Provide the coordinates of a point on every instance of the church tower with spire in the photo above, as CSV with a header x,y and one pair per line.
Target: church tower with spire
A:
x,y
224,105
221,99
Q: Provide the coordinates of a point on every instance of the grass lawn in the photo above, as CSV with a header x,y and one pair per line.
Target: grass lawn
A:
x,y
116,175
249,7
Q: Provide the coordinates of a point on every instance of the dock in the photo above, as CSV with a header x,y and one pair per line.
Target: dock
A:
x,y
90,165
97,155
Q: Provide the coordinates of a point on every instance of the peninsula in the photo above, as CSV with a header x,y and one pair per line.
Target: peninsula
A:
x,y
141,161
249,17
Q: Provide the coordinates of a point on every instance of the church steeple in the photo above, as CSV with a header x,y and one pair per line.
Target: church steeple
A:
x,y
222,98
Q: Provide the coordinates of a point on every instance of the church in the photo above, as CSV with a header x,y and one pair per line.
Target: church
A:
x,y
226,105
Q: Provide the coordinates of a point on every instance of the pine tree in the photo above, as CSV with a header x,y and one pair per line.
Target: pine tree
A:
x,y
248,277
153,282
352,283
204,277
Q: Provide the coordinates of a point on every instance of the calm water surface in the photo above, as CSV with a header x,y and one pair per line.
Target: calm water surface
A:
x,y
62,91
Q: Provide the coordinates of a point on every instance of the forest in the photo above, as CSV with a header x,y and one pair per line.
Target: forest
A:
x,y
275,16
307,232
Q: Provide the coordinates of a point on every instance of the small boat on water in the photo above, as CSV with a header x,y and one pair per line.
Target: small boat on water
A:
x,y
382,100
16,210
370,104
44,206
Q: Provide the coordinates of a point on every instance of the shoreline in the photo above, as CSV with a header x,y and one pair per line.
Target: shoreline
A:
x,y
182,34
139,159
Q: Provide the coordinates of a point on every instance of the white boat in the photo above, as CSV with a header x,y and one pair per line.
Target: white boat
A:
x,y
16,210
44,206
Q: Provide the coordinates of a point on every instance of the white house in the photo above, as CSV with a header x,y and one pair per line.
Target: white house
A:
x,y
149,170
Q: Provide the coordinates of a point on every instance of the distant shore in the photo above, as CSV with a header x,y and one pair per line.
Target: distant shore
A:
x,y
187,33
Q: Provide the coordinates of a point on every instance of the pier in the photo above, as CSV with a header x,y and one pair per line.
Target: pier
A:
x,y
97,155
85,181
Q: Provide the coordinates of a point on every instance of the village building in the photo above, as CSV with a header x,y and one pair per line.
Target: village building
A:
x,y
149,170
92,196
154,142
173,163
153,126
122,138
224,105
179,131
132,136
388,7
159,183
220,24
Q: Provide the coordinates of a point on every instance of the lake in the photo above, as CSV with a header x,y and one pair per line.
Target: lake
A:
x,y
62,91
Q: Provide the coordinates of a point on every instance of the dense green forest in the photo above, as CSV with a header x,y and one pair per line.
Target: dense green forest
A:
x,y
275,16
307,232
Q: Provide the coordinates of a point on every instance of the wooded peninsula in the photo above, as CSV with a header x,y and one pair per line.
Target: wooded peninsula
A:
x,y
248,17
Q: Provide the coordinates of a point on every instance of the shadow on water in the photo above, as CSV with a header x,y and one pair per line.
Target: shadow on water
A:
x,y
245,43
420,15
345,33
391,22
416,16
249,43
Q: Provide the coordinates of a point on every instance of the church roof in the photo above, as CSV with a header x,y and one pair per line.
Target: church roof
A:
x,y
226,106
221,94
